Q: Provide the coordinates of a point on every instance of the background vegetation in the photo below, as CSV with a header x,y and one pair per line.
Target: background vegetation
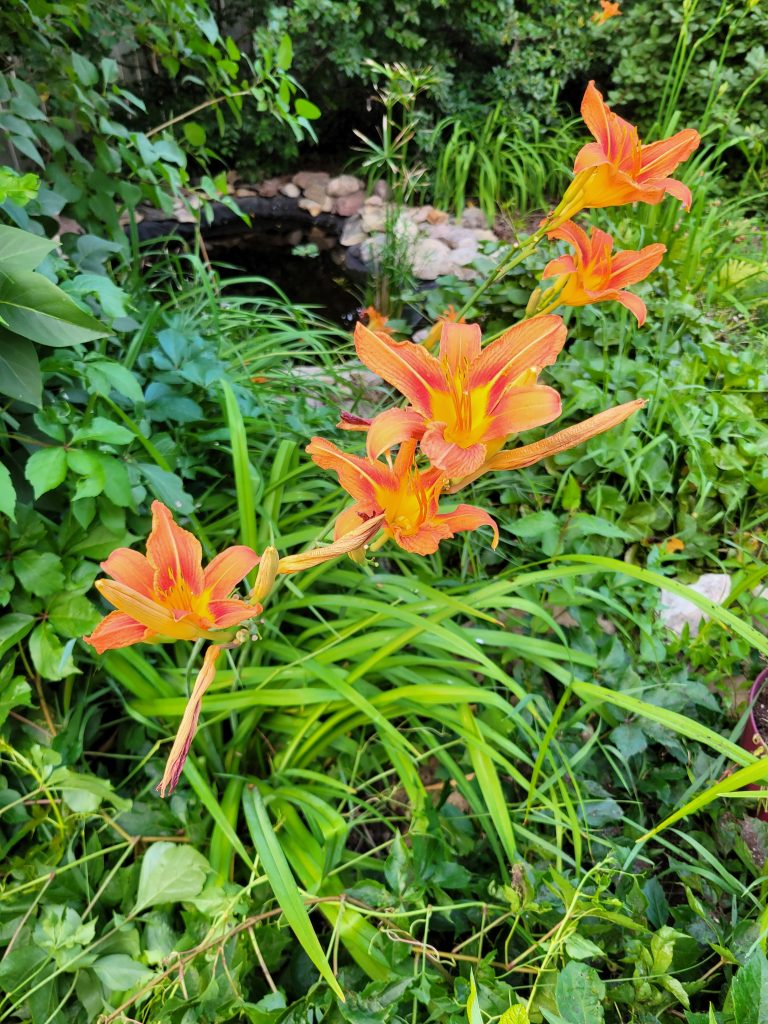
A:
x,y
460,765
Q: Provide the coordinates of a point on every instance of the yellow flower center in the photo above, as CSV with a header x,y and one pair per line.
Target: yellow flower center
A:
x,y
181,600
464,410
407,507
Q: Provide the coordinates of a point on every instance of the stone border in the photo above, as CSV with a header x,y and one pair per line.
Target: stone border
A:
x,y
435,242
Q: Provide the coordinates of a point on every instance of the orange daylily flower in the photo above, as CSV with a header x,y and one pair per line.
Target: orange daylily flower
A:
x,y
167,595
450,315
467,402
375,321
609,10
617,168
399,498
595,274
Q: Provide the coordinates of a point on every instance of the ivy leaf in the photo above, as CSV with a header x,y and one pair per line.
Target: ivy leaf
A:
x,y
169,874
305,108
105,431
71,615
118,972
51,658
14,627
46,469
750,991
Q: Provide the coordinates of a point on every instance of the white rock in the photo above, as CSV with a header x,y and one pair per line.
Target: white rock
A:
x,y
431,258
473,217
307,179
453,235
464,255
290,190
374,218
352,233
677,611
344,185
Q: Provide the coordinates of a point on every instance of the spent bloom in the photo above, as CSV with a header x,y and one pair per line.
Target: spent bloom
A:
x,y
617,168
467,401
594,273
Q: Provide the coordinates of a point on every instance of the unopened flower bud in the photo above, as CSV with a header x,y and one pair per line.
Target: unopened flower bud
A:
x,y
265,578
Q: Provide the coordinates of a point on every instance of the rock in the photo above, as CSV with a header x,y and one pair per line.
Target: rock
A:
x,y
344,185
420,214
268,189
295,237
374,218
437,216
244,190
372,247
430,259
404,230
485,235
348,205
382,189
374,200
316,193
352,233
473,217
290,190
464,255
453,235
313,209
676,611
306,178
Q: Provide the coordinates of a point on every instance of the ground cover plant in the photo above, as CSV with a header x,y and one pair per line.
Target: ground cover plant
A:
x,y
452,779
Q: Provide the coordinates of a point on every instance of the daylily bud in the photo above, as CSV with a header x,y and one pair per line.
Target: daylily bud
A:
x,y
265,578
533,302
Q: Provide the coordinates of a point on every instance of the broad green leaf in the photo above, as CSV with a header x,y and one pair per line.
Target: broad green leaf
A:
x,y
39,572
51,658
84,69
580,993
103,375
85,793
194,133
21,250
304,108
7,494
38,310
104,430
749,990
46,469
90,467
20,376
283,884
515,1015
168,487
14,693
118,972
14,627
580,948
285,53
72,615
170,873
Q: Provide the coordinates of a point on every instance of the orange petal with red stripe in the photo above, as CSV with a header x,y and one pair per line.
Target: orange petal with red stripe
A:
x,y
357,476
173,553
227,569
132,569
469,517
143,609
459,343
536,342
523,409
391,428
117,630
407,367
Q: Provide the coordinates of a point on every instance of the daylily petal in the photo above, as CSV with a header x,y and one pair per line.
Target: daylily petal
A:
x,y
357,476
426,540
132,569
351,518
228,613
469,517
574,235
407,367
143,609
521,409
226,570
459,343
349,542
529,454
558,267
536,342
391,427
676,188
117,630
349,421
659,159
449,457
634,304
188,724
596,116
630,266
173,553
